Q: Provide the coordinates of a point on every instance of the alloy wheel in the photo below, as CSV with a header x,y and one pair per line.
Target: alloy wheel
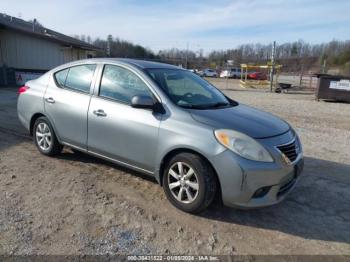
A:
x,y
183,182
43,136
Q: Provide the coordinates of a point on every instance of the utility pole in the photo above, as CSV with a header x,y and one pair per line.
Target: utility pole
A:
x,y
109,42
227,70
324,66
186,55
272,64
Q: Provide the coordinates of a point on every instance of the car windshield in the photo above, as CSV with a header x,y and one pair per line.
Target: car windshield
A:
x,y
187,89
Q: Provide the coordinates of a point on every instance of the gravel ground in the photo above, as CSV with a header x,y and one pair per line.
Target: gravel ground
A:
x,y
77,204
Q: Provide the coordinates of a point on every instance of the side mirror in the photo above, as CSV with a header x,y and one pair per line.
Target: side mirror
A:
x,y
142,102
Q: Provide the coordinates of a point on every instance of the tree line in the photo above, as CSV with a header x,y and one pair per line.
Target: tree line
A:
x,y
294,56
115,47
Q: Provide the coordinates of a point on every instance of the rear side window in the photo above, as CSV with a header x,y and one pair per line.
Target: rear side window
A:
x,y
76,78
61,77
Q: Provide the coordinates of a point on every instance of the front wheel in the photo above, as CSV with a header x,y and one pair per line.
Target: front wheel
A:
x,y
189,182
45,138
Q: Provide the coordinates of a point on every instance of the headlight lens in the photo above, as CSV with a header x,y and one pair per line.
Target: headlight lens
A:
x,y
243,145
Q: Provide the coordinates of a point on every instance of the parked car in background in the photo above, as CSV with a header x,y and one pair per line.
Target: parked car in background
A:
x,y
208,73
195,71
257,76
231,73
168,123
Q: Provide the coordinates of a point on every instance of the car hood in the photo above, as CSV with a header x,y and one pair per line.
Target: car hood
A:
x,y
250,121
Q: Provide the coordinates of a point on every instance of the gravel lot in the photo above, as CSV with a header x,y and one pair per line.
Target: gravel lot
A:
x,y
77,204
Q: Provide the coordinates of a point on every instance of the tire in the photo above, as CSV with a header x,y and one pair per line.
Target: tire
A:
x,y
203,175
45,138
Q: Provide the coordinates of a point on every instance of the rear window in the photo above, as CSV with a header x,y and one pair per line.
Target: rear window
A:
x,y
76,78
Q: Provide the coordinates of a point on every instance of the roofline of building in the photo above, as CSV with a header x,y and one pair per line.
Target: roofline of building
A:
x,y
45,33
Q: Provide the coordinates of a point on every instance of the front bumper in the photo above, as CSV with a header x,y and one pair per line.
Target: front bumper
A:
x,y
241,179
279,184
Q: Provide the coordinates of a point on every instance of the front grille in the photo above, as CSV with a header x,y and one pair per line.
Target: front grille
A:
x,y
289,150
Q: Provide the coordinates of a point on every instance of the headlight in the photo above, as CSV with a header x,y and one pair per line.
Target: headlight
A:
x,y
243,145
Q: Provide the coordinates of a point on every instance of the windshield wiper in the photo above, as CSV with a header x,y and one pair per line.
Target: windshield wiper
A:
x,y
219,104
193,106
206,106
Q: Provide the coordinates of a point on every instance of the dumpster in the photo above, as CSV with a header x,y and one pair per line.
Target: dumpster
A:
x,y
336,88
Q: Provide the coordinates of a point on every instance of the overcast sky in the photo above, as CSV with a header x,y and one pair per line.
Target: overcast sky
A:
x,y
204,24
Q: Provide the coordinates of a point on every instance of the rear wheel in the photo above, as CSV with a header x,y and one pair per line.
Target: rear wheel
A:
x,y
189,182
45,138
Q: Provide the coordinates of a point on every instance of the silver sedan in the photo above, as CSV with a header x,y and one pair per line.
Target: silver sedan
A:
x,y
166,122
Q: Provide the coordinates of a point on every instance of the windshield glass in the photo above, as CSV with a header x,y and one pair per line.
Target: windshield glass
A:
x,y
188,90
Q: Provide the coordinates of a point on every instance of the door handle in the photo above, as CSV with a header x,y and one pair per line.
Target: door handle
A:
x,y
99,112
50,100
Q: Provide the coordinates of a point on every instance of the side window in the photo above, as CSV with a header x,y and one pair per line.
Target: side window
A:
x,y
121,84
61,77
80,77
76,77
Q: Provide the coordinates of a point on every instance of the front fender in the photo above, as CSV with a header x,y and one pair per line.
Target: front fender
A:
x,y
183,135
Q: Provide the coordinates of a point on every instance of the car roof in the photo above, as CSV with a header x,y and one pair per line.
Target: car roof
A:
x,y
142,64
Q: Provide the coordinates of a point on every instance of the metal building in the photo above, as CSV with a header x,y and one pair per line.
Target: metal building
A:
x,y
29,48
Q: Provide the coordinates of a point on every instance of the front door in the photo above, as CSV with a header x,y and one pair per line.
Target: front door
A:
x,y
117,130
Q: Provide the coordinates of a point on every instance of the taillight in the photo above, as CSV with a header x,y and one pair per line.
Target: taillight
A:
x,y
22,89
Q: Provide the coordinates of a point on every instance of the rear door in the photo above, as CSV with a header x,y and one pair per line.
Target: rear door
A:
x,y
117,130
67,101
